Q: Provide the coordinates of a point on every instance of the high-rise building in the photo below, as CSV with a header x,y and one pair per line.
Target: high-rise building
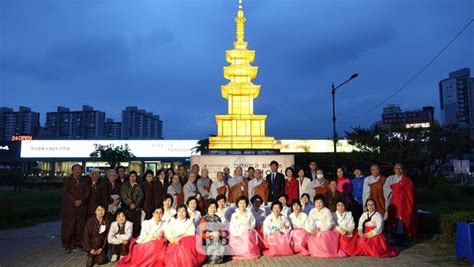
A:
x,y
21,122
456,94
139,124
66,124
112,129
393,117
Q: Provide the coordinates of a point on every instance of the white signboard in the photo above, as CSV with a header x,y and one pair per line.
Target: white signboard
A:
x,y
314,146
83,148
461,166
215,163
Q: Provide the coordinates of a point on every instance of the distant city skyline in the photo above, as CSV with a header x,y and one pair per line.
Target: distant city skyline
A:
x,y
167,56
83,124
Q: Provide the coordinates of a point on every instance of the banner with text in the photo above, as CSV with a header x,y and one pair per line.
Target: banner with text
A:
x,y
216,163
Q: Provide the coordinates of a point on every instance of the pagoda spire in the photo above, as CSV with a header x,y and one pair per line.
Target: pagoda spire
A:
x,y
240,128
240,25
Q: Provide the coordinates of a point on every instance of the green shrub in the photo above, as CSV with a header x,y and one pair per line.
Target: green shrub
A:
x,y
447,223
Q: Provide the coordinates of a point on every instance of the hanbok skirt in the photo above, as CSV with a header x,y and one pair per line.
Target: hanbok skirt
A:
x,y
147,254
278,244
348,244
325,245
376,246
187,253
299,241
260,237
244,246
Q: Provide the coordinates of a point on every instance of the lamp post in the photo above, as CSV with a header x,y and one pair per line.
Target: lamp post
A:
x,y
333,92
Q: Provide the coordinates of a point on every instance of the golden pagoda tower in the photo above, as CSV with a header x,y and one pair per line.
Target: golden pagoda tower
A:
x,y
240,128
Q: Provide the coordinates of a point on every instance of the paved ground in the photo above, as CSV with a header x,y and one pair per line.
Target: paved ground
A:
x,y
40,246
15,242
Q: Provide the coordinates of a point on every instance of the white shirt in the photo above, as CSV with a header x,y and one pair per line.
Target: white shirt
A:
x,y
149,229
177,227
304,187
322,219
376,221
240,222
214,187
189,190
300,221
344,221
273,224
252,184
168,214
260,214
366,188
114,237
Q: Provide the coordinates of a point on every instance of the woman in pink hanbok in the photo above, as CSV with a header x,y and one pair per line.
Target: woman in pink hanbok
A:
x,y
299,235
243,237
323,241
276,231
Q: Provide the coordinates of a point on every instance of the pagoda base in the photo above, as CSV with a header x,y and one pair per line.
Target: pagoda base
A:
x,y
241,142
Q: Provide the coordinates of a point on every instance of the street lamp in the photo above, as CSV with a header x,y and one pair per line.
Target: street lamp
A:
x,y
333,92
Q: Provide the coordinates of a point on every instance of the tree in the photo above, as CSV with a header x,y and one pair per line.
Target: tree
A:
x,y
201,146
113,155
423,150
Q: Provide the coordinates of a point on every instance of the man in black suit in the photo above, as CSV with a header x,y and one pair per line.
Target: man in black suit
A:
x,y
313,170
276,182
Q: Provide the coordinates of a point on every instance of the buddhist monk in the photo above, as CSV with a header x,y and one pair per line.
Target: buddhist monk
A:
x,y
98,192
400,199
76,192
373,188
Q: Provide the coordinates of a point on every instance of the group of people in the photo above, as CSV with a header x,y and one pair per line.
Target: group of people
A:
x,y
180,219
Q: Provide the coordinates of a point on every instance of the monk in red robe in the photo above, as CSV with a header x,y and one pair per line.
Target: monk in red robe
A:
x,y
400,198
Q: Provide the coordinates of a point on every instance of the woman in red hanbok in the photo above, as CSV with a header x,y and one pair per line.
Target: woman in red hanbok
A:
x,y
372,241
184,249
346,227
149,249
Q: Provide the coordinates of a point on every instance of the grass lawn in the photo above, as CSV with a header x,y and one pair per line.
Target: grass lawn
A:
x,y
445,199
29,207
446,207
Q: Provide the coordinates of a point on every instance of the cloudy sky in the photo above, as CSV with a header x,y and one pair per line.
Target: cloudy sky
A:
x,y
166,56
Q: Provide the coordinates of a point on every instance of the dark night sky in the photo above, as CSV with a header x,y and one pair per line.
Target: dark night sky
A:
x,y
167,57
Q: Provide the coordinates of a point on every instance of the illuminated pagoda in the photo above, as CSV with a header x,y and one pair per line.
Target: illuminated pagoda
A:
x,y
240,128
